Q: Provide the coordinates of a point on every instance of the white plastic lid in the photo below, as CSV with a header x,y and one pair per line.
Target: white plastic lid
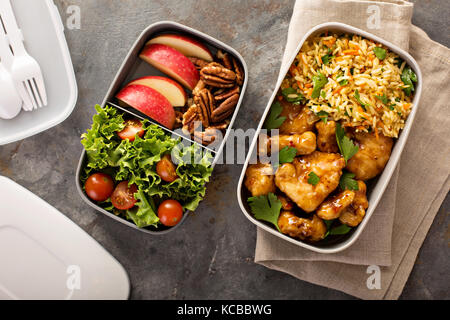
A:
x,y
43,32
44,255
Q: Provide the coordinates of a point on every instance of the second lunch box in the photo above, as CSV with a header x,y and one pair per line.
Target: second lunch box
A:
x,y
133,68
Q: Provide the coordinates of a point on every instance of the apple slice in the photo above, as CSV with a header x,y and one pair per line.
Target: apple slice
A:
x,y
186,45
171,62
167,87
150,102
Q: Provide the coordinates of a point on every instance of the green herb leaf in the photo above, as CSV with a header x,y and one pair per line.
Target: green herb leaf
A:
x,y
291,95
358,98
347,182
408,77
327,58
343,82
383,99
323,94
287,154
380,53
346,146
266,208
340,230
323,115
274,121
319,82
313,178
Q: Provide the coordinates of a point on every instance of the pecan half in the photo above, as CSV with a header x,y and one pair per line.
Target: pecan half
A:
x,y
198,63
218,76
199,87
207,137
178,119
192,119
225,58
239,72
225,109
225,94
205,101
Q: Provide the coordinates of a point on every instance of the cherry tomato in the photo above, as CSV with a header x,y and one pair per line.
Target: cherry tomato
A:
x,y
166,169
123,196
170,213
132,127
99,187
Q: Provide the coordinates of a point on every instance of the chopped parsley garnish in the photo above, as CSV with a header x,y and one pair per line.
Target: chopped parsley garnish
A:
x,y
291,95
327,58
358,98
347,182
323,115
380,53
323,94
343,82
319,82
340,230
408,77
383,98
346,146
287,155
313,178
274,121
266,208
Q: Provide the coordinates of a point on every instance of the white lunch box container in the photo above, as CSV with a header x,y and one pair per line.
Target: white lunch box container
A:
x,y
43,34
375,188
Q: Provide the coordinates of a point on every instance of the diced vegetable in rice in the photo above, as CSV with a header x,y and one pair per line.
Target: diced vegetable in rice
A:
x,y
355,81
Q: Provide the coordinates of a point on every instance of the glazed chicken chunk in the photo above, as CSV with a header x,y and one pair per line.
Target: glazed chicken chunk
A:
x,y
259,179
304,229
354,214
332,208
292,178
326,137
299,119
305,143
372,156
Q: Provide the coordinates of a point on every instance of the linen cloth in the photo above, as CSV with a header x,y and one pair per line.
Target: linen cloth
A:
x,y
398,227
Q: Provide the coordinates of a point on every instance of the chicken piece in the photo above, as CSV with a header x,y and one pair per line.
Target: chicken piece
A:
x,y
332,208
305,143
259,179
263,145
372,156
326,137
354,214
292,178
286,203
299,119
304,229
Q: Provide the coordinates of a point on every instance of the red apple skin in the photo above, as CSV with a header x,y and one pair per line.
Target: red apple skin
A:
x,y
173,63
150,102
175,85
185,45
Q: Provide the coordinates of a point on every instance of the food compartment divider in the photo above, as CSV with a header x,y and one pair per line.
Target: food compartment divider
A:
x,y
132,68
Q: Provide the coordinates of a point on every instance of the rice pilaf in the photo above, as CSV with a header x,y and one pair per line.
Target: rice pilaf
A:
x,y
352,80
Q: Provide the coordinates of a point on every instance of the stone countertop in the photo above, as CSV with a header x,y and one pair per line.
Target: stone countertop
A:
x,y
211,255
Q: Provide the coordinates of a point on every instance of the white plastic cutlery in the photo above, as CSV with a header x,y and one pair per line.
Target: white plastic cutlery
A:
x,y
25,70
10,101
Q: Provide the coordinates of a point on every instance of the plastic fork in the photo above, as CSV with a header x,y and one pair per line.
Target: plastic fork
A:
x,y
25,70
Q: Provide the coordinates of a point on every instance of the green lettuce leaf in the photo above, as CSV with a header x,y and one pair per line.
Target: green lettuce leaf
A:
x,y
136,162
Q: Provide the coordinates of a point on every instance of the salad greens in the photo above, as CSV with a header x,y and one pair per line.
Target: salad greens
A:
x,y
135,161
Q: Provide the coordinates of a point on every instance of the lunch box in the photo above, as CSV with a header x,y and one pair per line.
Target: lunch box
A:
x,y
376,187
43,33
132,68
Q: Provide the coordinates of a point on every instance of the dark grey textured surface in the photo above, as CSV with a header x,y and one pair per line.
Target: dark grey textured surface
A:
x,y
211,255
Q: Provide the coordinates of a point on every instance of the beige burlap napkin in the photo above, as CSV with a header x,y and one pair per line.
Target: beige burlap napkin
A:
x,y
398,227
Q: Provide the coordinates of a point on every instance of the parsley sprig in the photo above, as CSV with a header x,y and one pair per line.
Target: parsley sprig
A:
x,y
346,146
266,208
274,121
347,182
